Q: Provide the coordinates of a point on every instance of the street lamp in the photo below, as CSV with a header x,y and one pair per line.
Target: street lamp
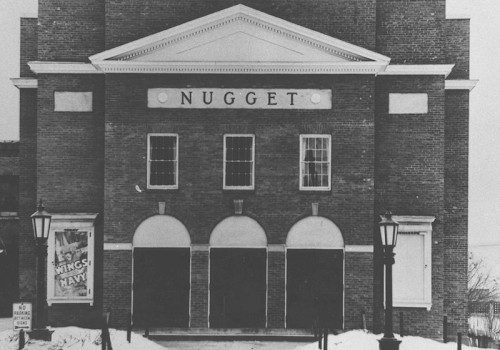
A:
x,y
41,228
389,236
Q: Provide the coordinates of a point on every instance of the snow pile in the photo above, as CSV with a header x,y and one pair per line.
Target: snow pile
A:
x,y
74,338
362,340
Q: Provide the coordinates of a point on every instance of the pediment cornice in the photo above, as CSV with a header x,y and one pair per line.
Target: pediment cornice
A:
x,y
240,40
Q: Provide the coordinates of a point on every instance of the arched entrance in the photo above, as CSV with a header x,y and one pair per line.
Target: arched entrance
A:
x,y
161,287
315,274
238,279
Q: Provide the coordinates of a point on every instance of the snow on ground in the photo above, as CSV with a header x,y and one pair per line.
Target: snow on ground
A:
x,y
74,338
367,341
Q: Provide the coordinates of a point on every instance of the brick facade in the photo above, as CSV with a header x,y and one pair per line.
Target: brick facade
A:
x,y
92,162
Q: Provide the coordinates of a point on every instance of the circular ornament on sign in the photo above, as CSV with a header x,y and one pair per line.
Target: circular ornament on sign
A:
x,y
162,97
315,98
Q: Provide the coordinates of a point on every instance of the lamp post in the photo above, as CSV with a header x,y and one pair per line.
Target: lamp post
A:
x,y
41,228
389,236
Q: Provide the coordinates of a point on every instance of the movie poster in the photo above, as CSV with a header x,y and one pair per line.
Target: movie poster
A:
x,y
71,264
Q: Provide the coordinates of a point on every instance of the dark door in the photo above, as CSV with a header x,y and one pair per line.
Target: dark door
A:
x,y
237,288
314,288
161,287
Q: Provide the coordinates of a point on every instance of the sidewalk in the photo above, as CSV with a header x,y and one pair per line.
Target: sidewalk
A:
x,y
229,345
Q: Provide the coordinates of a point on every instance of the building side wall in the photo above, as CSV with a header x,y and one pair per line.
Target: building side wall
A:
x,y
27,192
29,45
349,20
411,31
457,41
456,206
70,167
70,30
410,181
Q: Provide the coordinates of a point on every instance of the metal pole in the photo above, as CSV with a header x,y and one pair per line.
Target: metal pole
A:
x,y
388,342
388,293
41,317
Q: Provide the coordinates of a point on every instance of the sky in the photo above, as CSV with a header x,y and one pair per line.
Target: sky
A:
x,y
484,167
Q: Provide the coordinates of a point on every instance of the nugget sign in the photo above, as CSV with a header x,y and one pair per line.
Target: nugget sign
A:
x,y
240,98
22,316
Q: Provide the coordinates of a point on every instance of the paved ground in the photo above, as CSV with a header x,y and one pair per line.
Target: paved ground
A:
x,y
230,345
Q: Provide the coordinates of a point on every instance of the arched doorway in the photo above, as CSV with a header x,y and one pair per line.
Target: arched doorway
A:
x,y
161,287
238,278
315,274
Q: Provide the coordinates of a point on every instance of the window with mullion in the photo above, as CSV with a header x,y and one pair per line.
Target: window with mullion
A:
x,y
239,161
163,164
315,162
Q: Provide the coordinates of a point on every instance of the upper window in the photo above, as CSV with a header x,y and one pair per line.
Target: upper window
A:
x,y
315,162
239,162
163,164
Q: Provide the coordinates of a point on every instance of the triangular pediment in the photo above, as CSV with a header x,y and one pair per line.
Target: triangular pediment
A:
x,y
240,40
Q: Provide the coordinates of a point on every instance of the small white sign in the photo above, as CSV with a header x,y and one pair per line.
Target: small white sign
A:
x,y
197,98
22,316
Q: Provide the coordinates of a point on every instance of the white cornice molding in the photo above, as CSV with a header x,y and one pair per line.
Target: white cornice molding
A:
x,y
413,223
418,69
117,246
45,67
457,84
239,68
25,83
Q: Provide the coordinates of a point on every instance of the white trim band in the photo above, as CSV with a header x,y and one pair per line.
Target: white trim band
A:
x,y
418,69
40,67
359,249
25,83
117,246
464,84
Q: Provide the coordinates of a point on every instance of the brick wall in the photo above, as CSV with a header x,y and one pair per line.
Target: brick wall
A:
x,y
29,45
200,203
457,41
276,289
70,30
409,180
117,286
358,291
456,206
199,288
69,169
410,31
27,192
349,20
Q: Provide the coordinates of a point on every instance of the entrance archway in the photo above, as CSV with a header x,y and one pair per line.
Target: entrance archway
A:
x,y
238,278
161,287
315,274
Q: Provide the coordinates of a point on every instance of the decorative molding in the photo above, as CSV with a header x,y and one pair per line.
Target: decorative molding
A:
x,y
76,220
28,15
411,223
278,47
117,246
276,248
457,84
25,83
359,249
40,67
238,14
240,67
199,247
418,69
